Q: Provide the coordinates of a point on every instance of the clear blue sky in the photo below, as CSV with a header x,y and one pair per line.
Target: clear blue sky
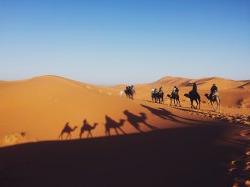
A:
x,y
109,42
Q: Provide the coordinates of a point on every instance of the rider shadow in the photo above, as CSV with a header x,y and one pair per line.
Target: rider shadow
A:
x,y
137,120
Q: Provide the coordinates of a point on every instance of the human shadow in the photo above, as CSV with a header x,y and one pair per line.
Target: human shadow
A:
x,y
112,124
137,120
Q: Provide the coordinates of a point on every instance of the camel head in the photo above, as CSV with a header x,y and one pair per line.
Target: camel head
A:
x,y
169,95
186,95
207,96
95,124
75,127
122,121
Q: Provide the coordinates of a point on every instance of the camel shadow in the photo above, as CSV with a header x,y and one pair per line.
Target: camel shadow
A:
x,y
167,115
67,130
137,120
88,128
161,112
112,124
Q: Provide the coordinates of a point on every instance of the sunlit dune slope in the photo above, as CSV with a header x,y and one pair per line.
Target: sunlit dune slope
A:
x,y
41,106
37,109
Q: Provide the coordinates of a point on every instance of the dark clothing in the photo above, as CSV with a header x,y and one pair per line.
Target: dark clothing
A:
x,y
194,87
194,91
213,89
177,90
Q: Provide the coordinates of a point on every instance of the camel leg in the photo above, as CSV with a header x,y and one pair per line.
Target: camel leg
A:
x,y
90,134
107,132
218,100
121,130
116,131
67,136
192,104
150,126
60,136
197,104
179,103
212,105
81,133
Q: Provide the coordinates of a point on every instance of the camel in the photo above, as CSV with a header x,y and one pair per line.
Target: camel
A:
x,y
67,130
87,127
214,99
175,98
157,97
194,97
112,124
137,120
129,93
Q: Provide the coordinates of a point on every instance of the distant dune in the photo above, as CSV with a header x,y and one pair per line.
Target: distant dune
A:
x,y
204,83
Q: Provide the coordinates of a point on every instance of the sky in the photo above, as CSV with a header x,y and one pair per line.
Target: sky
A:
x,y
129,41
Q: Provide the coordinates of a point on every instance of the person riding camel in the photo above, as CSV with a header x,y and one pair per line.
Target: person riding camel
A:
x,y
175,91
160,89
194,87
154,90
127,88
213,90
194,90
132,88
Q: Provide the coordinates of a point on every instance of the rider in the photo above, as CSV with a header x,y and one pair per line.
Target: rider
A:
x,y
127,87
213,90
154,90
132,87
160,89
175,91
194,88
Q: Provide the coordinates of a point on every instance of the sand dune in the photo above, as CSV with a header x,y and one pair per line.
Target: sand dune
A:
x,y
234,94
42,105
191,144
204,84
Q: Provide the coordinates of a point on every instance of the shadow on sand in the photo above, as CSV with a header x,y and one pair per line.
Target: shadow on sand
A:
x,y
188,156
112,124
167,115
137,120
